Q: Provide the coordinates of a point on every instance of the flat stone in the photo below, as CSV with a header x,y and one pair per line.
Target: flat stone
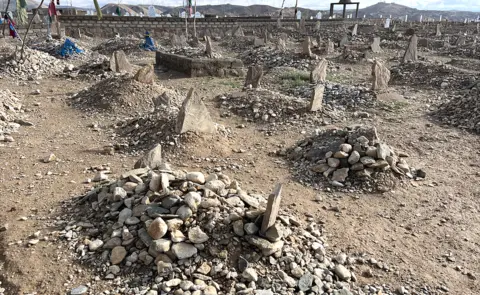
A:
x,y
340,175
161,245
184,250
333,162
305,282
274,233
193,200
250,228
152,159
316,101
118,254
95,245
264,245
354,157
238,228
80,290
146,75
250,274
319,72
342,272
196,235
197,177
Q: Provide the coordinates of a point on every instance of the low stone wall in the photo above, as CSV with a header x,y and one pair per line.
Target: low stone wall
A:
x,y
198,67
108,26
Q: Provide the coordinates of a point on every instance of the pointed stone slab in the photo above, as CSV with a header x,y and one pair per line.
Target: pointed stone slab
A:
x,y
354,30
376,45
439,32
319,72
316,102
254,76
306,47
194,116
208,47
411,54
273,206
381,76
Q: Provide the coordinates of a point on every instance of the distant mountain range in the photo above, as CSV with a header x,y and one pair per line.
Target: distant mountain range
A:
x,y
374,11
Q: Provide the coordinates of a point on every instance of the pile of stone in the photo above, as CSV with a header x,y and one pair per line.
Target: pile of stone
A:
x,y
96,69
271,58
461,110
53,47
35,64
429,75
261,105
351,158
10,108
167,231
119,94
127,44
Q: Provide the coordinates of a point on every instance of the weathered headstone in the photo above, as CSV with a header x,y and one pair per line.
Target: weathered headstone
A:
x,y
411,54
76,33
381,76
302,25
438,33
254,76
265,36
354,30
279,23
208,47
319,41
306,47
281,46
194,116
145,75
257,42
316,100
330,48
460,41
319,72
344,41
317,26
273,206
119,62
376,45
152,158
238,32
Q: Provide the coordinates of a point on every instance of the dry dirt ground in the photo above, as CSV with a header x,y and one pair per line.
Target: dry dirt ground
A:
x,y
425,233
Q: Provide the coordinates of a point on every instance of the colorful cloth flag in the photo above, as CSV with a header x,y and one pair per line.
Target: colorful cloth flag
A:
x,y
118,11
11,26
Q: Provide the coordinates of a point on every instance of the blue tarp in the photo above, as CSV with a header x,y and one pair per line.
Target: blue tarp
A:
x,y
68,48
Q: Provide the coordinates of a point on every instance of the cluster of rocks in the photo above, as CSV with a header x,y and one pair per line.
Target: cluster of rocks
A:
x,y
350,158
10,109
461,109
126,44
271,58
429,75
190,233
53,47
34,65
120,94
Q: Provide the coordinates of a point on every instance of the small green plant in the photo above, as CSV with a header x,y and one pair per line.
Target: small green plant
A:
x,y
295,79
232,84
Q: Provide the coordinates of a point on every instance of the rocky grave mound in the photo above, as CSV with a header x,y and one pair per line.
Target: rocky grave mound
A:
x,y
127,44
97,69
54,46
172,232
351,158
461,110
430,76
120,94
10,109
34,64
262,105
271,58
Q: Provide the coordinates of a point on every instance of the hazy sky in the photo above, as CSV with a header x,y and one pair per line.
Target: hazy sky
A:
x,y
467,5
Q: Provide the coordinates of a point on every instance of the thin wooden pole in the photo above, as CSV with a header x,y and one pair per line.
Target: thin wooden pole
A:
x,y
6,11
194,20
28,29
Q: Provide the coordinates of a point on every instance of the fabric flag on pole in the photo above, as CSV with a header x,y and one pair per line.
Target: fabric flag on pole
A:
x,y
189,4
118,11
52,10
11,26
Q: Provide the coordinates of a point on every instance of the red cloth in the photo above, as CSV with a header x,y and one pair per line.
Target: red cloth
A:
x,y
11,26
52,10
